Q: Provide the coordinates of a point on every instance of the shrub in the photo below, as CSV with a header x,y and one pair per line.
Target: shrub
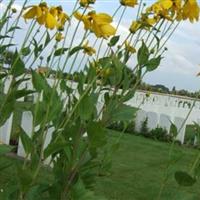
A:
x,y
161,134
128,127
144,128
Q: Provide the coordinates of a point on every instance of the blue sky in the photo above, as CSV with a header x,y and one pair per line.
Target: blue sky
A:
x,y
181,62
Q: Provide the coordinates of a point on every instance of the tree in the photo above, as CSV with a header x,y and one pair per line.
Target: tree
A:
x,y
174,90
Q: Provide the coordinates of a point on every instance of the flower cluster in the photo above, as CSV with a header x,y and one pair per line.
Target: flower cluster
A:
x,y
129,48
130,3
88,49
86,3
175,10
168,10
53,17
98,23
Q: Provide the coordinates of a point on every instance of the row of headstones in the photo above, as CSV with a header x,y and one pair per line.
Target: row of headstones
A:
x,y
161,120
136,100
168,101
154,120
26,125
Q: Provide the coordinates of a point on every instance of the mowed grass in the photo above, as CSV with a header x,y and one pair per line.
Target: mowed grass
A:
x,y
138,171
139,168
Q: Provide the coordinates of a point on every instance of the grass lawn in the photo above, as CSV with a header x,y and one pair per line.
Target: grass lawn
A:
x,y
138,171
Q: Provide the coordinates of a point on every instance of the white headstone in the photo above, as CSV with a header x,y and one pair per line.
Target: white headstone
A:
x,y
165,122
153,120
179,122
5,131
140,117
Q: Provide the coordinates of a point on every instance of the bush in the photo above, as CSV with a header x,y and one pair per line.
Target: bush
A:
x,y
121,126
144,128
117,126
161,134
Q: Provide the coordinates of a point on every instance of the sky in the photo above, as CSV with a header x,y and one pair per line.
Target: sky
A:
x,y
181,62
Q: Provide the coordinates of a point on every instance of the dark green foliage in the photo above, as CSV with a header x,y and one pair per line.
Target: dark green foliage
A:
x,y
184,179
144,128
161,135
128,127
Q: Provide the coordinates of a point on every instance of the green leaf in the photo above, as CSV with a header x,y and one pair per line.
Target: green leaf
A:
x,y
23,93
75,49
157,40
4,36
17,66
39,82
47,40
26,141
153,63
129,95
114,40
117,68
173,130
143,55
37,49
54,147
124,113
60,51
7,110
56,105
105,62
4,47
96,134
18,82
41,112
13,28
26,51
64,87
184,179
87,107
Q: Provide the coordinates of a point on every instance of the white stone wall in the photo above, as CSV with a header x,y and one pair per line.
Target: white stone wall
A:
x,y
161,110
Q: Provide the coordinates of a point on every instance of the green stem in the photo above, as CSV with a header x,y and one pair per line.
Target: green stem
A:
x,y
170,154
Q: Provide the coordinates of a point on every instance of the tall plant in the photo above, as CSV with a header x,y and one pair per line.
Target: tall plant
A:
x,y
68,105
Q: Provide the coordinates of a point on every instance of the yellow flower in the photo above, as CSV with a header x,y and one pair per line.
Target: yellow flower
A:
x,y
51,18
84,18
88,49
85,3
165,4
163,9
160,6
135,26
191,10
129,48
130,3
60,16
59,37
147,22
99,24
50,21
34,11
